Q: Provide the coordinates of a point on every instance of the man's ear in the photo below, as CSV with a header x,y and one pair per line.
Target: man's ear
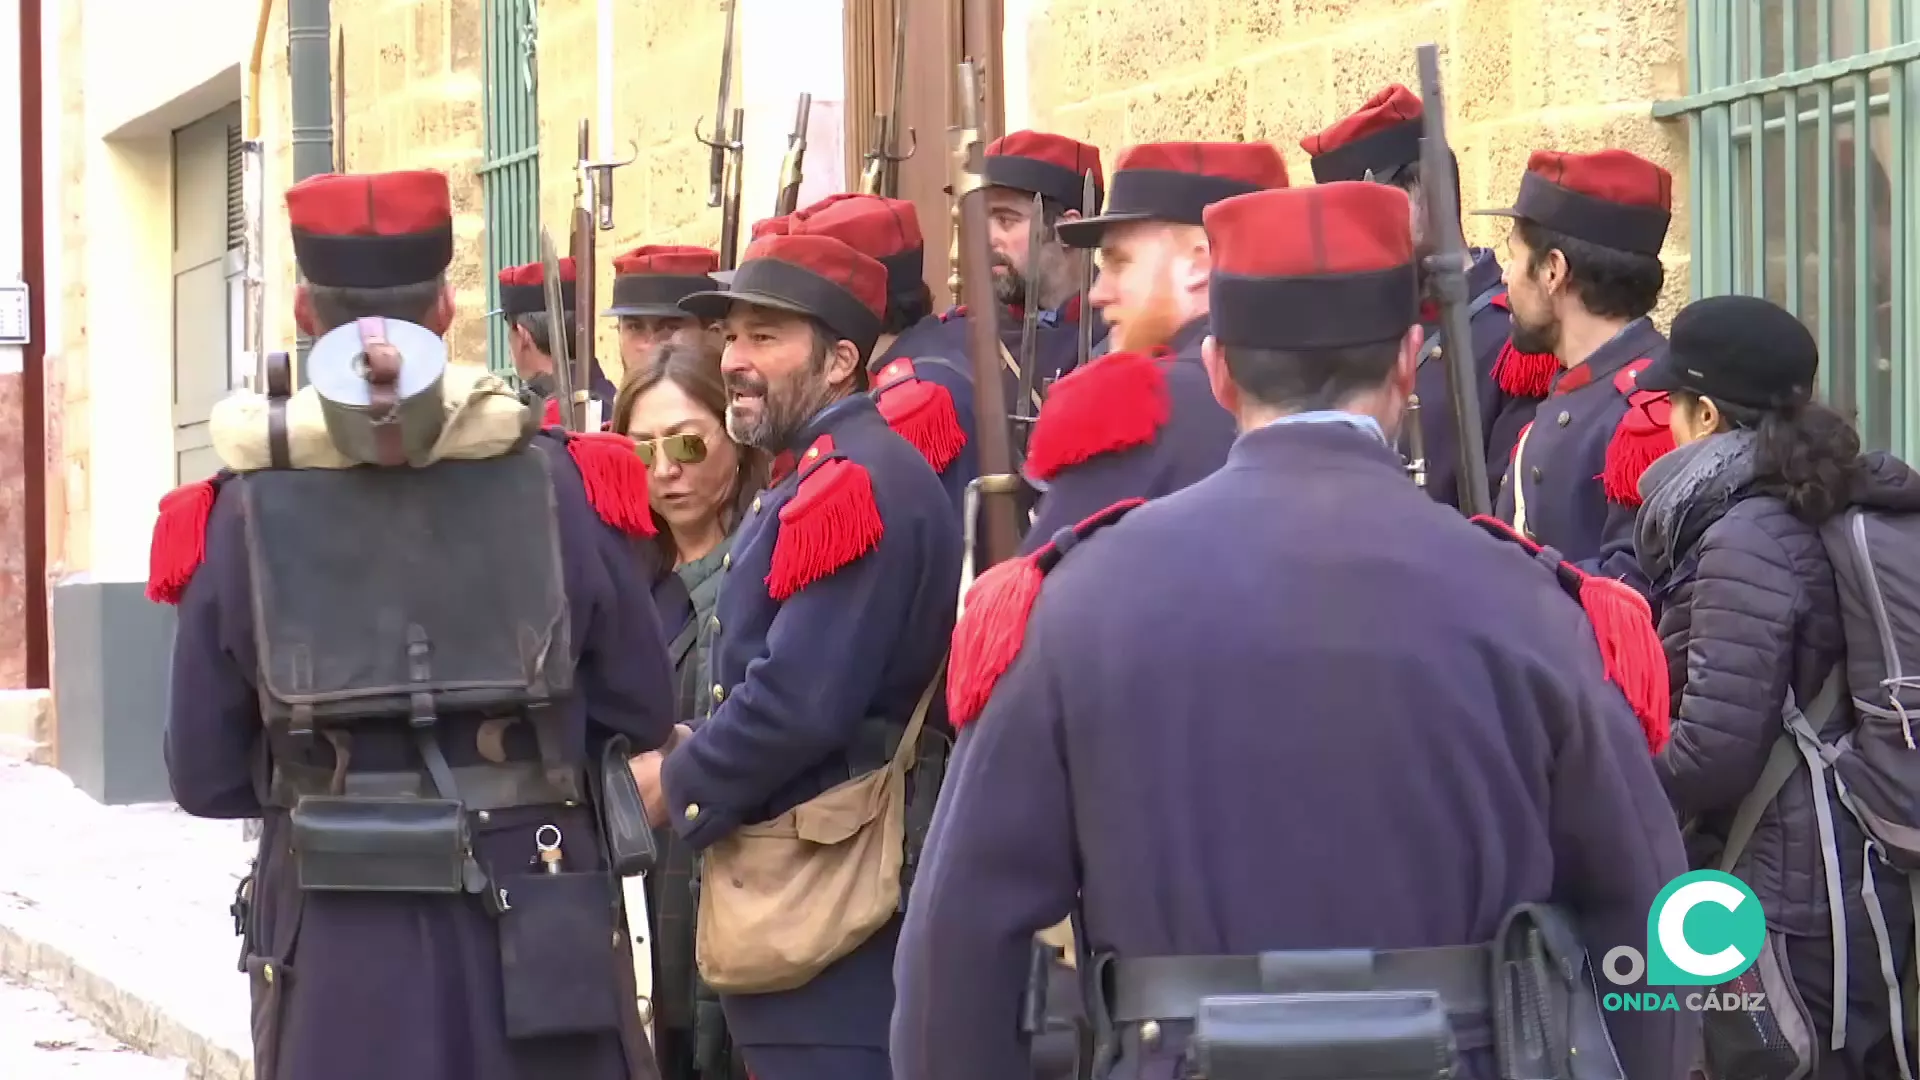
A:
x,y
1406,368
1214,358
303,312
1198,265
843,360
440,317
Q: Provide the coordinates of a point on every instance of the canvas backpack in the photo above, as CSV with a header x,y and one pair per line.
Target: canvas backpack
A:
x,y
1874,767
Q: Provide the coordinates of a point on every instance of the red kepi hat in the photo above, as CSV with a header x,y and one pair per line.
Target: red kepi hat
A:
x,y
1383,136
523,289
651,279
1176,182
808,275
1050,165
1614,199
886,230
371,230
1320,267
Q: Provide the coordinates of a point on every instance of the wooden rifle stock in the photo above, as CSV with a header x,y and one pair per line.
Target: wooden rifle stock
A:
x,y
793,169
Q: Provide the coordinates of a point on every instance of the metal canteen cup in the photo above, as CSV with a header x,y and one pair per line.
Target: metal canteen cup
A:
x,y
379,382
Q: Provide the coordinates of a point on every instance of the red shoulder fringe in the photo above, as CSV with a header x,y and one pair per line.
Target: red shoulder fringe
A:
x,y
179,543
1622,621
615,480
1114,403
922,412
831,520
1639,440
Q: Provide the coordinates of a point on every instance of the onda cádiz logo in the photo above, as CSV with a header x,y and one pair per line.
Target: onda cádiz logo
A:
x,y
1704,930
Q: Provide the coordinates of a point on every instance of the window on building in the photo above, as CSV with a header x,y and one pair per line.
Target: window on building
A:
x,y
208,264
510,174
1804,135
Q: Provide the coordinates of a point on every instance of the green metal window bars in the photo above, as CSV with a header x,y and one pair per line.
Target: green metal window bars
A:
x,y
1803,122
510,173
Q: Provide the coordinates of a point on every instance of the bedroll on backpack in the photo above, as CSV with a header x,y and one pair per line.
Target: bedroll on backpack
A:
x,y
1874,766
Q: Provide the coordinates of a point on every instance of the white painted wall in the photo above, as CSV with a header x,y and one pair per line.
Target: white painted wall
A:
x,y
788,47
1013,57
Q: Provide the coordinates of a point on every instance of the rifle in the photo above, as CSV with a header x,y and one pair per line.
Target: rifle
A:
x,y
1447,279
736,146
793,169
717,163
557,321
1089,193
993,498
592,207
882,173
1029,334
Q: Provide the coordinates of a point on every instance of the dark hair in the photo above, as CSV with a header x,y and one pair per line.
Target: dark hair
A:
x,y
1307,379
337,305
1807,455
539,328
905,309
824,338
1611,283
695,369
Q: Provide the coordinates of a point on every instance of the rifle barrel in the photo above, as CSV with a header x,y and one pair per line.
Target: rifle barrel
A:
x,y
997,510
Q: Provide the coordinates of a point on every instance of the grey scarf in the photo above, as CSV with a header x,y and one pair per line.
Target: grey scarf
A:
x,y
1686,490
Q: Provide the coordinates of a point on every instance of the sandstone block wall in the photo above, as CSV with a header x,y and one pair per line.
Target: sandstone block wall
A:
x,y
1520,75
414,99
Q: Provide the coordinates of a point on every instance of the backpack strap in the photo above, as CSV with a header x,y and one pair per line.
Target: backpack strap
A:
x,y
1883,947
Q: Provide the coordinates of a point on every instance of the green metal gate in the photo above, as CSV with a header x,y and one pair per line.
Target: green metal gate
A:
x,y
510,176
1803,121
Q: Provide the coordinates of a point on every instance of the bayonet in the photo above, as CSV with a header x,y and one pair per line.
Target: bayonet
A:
x,y
1026,403
882,173
793,168
992,507
720,144
575,407
557,324
1446,276
1089,194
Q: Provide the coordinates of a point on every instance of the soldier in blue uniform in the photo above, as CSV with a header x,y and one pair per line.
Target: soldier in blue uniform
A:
x,y
523,302
414,985
834,618
648,284
1382,140
1018,167
1583,275
1140,421
1359,752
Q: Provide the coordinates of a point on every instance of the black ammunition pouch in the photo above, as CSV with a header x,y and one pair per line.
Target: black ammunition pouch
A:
x,y
348,844
1337,1014
623,816
395,608
558,951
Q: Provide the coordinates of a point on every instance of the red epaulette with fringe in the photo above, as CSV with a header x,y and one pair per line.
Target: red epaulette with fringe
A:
x,y
1640,439
1518,374
1113,403
832,519
993,627
1630,648
551,417
614,478
922,412
180,537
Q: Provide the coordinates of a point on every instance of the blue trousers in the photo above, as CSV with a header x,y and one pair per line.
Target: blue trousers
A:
x,y
817,1063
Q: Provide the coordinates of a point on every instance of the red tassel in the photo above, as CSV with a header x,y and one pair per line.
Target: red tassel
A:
x,y
1524,375
1631,652
615,480
179,540
989,635
551,417
923,413
1116,402
1640,439
831,521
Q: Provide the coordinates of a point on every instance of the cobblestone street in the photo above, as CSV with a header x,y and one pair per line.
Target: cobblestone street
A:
x,y
41,1040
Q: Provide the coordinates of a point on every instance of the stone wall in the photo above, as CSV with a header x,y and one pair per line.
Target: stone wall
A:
x,y
1520,75
414,74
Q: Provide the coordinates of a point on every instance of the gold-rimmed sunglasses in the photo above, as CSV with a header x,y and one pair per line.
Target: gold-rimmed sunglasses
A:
x,y
686,448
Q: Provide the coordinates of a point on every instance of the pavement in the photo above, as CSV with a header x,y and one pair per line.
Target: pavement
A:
x,y
40,1039
120,912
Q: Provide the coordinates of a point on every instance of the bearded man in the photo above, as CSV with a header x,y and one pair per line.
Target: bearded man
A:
x,y
1141,422
1583,274
831,633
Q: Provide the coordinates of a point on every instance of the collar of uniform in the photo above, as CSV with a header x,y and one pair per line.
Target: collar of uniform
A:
x,y
831,419
1332,416
1630,344
1279,445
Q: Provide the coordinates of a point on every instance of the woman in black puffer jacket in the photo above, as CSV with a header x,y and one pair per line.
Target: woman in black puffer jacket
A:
x,y
1729,536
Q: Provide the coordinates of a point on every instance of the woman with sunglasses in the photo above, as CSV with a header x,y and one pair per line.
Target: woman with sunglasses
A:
x,y
673,405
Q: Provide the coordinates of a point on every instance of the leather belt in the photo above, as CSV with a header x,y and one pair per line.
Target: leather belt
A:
x,y
1171,987
481,787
